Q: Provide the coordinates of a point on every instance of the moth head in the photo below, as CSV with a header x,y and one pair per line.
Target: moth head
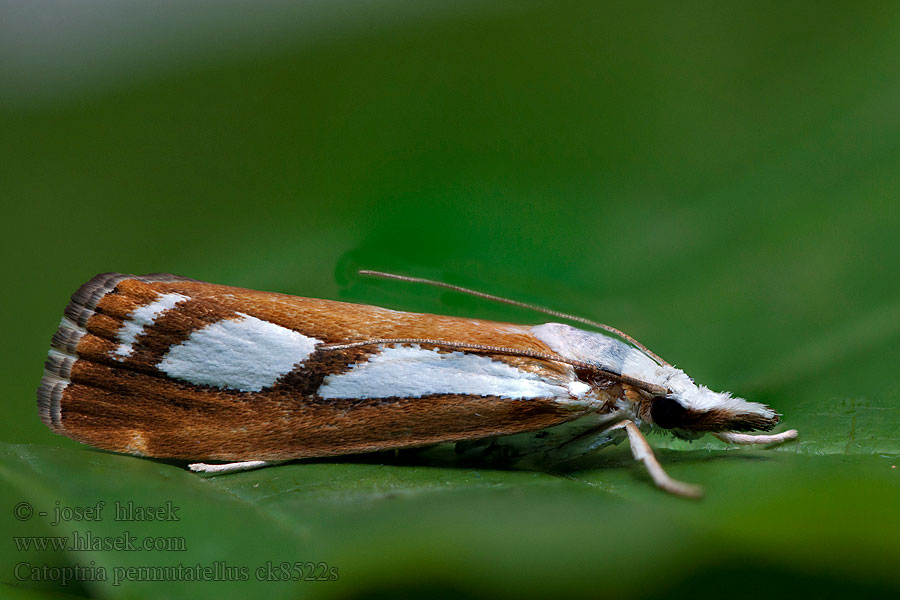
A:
x,y
694,409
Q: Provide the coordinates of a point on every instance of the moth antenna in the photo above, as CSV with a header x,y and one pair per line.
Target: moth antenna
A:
x,y
533,307
649,387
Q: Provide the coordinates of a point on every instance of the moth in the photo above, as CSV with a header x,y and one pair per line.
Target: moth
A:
x,y
229,378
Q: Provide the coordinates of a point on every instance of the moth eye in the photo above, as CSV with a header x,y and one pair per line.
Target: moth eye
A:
x,y
667,412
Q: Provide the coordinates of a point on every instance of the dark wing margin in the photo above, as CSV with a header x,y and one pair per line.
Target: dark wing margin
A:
x,y
85,298
63,345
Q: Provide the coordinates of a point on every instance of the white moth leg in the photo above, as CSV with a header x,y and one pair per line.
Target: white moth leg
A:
x,y
234,467
642,451
731,437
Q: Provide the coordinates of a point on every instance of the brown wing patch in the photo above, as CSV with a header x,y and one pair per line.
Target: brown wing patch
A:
x,y
179,421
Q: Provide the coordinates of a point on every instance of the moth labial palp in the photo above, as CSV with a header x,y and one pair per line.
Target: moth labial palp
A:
x,y
231,379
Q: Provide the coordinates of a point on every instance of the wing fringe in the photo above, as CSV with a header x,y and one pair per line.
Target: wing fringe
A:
x,y
63,345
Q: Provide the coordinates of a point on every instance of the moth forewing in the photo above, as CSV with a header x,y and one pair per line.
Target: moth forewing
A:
x,y
168,367
225,373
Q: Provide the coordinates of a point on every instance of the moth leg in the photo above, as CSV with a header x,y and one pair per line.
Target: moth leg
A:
x,y
731,437
234,467
642,451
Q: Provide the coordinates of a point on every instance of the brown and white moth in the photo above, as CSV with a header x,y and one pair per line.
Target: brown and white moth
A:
x,y
168,367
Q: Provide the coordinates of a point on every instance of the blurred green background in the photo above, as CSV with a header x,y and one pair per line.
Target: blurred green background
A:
x,y
718,179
